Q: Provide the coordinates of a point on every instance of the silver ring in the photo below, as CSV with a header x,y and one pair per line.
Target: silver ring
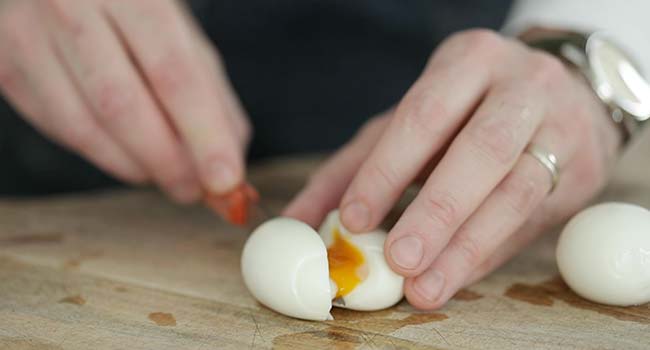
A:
x,y
548,160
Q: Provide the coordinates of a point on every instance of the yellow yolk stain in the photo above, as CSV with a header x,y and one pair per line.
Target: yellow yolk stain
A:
x,y
344,261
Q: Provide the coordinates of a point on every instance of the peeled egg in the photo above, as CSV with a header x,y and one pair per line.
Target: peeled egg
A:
x,y
604,254
358,268
290,268
284,265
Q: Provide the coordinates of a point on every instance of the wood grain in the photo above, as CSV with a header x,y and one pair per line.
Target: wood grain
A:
x,y
127,269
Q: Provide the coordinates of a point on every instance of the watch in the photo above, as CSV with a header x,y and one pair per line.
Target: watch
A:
x,y
613,75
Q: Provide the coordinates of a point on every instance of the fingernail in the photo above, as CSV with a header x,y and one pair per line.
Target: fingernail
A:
x,y
222,177
407,252
429,285
356,216
186,192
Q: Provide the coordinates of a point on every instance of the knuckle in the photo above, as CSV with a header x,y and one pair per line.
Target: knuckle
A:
x,y
495,139
475,36
480,40
467,247
418,111
113,100
384,176
481,49
171,74
442,208
546,68
482,37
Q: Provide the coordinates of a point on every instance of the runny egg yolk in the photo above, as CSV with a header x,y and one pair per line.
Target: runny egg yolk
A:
x,y
344,262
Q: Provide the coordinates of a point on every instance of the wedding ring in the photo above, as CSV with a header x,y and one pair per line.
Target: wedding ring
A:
x,y
548,160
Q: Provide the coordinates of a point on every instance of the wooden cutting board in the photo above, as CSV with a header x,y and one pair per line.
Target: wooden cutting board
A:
x,y
129,270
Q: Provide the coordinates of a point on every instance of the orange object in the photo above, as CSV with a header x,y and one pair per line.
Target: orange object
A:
x,y
344,260
236,206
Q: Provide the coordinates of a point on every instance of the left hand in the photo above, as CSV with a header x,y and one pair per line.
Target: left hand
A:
x,y
463,128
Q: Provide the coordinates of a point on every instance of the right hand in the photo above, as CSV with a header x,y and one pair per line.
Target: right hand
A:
x,y
132,86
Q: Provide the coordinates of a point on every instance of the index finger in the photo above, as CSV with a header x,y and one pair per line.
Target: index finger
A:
x,y
430,113
170,54
488,145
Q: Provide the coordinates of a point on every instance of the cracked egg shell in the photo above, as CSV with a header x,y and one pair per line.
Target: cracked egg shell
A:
x,y
290,268
284,265
377,286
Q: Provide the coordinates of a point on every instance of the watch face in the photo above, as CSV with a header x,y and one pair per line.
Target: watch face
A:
x,y
616,79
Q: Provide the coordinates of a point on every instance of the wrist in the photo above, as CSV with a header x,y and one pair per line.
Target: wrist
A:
x,y
608,130
609,71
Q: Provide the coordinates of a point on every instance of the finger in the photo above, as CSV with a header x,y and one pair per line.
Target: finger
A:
x,y
16,40
40,89
187,85
506,251
325,188
13,38
237,115
488,146
505,210
13,86
430,113
577,185
118,97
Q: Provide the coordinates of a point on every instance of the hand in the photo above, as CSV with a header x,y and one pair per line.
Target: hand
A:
x,y
132,86
463,128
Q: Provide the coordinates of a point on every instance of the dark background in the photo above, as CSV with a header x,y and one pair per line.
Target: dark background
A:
x,y
308,72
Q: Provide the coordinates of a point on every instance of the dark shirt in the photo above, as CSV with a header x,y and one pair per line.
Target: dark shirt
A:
x,y
309,73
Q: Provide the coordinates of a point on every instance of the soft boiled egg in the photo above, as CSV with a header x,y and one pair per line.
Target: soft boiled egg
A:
x,y
290,268
358,268
604,254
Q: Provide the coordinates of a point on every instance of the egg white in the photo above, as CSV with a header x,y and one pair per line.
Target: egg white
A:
x,y
603,254
284,265
382,287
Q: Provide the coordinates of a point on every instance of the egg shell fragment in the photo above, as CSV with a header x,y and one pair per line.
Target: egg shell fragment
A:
x,y
603,254
382,288
284,265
